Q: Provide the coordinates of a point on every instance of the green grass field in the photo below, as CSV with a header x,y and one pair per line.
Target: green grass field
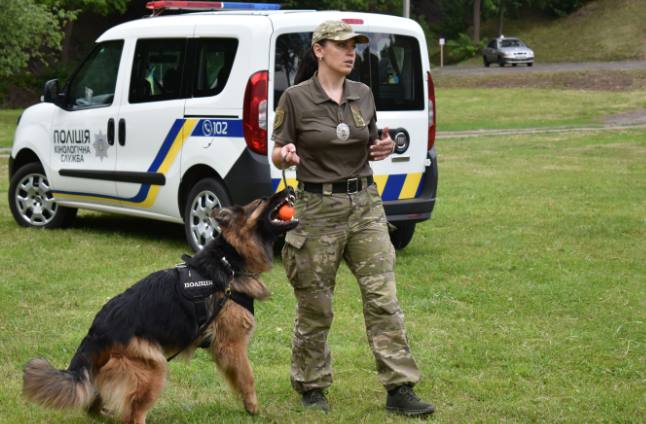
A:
x,y
8,118
466,108
524,296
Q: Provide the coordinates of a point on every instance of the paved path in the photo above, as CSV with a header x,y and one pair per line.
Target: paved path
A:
x,y
473,69
520,131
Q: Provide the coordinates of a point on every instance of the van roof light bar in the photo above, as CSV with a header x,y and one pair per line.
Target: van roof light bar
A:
x,y
159,7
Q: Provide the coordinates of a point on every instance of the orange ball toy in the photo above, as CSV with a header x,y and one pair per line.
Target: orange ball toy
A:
x,y
286,212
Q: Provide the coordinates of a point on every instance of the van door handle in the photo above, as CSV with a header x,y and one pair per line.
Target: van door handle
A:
x,y
122,131
110,132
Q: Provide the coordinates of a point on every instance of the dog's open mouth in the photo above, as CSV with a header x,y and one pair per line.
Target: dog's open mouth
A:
x,y
285,221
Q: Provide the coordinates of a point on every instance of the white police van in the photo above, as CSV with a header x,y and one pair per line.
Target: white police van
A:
x,y
170,116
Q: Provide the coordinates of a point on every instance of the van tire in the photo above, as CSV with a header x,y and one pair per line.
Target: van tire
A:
x,y
32,203
199,226
402,235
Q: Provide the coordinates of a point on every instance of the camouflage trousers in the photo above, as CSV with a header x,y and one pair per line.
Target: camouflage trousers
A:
x,y
352,227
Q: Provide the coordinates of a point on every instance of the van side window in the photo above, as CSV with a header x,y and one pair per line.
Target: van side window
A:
x,y
94,82
157,70
214,62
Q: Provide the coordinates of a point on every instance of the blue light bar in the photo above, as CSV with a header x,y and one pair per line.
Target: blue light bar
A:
x,y
159,6
231,5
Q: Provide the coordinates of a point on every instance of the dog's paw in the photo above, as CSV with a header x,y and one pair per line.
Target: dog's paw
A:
x,y
251,407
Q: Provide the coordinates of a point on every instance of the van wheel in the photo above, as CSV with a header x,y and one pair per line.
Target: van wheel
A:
x,y
31,200
199,226
402,235
485,61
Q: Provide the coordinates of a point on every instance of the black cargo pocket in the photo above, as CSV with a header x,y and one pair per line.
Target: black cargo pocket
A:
x,y
295,260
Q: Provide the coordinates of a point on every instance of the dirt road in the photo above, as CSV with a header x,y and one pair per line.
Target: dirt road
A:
x,y
540,67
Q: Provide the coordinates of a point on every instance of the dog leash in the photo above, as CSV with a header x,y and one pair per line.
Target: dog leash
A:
x,y
282,166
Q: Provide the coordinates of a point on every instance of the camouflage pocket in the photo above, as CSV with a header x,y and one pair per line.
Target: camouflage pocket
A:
x,y
293,257
295,239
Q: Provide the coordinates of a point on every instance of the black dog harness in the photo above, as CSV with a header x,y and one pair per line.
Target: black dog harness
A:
x,y
198,290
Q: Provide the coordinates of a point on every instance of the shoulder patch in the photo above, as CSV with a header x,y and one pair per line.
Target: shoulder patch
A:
x,y
279,118
358,118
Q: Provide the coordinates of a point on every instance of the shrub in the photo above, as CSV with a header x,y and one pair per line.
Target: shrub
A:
x,y
462,48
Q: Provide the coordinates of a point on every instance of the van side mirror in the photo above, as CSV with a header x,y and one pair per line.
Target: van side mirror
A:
x,y
51,93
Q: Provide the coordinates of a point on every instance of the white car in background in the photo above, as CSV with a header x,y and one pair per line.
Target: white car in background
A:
x,y
504,50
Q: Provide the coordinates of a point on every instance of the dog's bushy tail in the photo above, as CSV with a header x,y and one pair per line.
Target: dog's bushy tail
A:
x,y
53,388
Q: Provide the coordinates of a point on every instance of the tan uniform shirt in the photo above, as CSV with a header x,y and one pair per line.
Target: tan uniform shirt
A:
x,y
307,117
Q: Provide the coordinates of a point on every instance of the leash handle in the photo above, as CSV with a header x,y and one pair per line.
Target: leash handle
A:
x,y
290,189
282,168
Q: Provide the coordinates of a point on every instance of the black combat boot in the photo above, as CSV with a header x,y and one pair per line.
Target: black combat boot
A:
x,y
402,400
315,398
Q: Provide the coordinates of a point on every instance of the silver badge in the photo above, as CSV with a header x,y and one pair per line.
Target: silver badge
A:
x,y
343,131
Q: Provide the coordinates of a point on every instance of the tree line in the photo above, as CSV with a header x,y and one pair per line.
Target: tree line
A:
x,y
37,34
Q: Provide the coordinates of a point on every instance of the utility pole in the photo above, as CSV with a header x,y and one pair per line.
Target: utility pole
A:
x,y
406,8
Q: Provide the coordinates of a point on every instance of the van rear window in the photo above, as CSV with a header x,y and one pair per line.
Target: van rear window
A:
x,y
390,64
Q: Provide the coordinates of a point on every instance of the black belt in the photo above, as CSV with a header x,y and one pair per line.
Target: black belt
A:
x,y
350,186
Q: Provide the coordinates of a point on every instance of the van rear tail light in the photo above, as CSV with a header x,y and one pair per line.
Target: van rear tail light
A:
x,y
431,111
254,113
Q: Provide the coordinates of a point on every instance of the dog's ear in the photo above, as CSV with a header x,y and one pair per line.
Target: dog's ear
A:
x,y
222,216
253,205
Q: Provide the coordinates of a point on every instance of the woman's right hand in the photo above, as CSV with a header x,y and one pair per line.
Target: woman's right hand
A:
x,y
288,155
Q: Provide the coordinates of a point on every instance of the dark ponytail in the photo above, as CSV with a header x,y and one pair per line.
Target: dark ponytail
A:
x,y
309,64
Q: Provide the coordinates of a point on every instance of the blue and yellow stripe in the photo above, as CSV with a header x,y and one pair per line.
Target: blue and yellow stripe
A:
x,y
164,159
390,187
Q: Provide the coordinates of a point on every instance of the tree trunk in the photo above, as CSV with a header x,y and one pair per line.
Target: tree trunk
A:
x,y
476,21
66,54
501,14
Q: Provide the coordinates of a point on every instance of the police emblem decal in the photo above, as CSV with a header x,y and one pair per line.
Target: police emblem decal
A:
x,y
100,145
343,131
279,118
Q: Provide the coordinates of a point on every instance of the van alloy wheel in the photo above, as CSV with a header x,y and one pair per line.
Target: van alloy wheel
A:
x,y
203,226
35,201
199,225
31,200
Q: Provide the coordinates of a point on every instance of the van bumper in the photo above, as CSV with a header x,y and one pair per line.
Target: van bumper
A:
x,y
420,208
249,178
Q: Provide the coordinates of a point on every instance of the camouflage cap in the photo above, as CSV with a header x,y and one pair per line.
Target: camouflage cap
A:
x,y
336,31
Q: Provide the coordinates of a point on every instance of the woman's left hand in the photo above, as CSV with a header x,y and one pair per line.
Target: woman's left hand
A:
x,y
382,148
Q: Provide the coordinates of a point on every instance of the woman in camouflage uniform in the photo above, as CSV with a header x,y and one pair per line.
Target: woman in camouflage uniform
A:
x,y
326,126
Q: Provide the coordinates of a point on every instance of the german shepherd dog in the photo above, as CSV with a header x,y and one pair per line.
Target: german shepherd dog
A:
x,y
121,365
